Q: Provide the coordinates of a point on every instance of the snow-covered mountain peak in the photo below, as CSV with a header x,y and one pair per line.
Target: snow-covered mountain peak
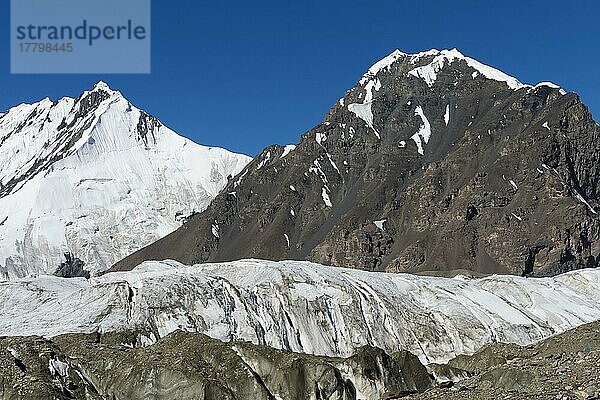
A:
x,y
75,174
427,64
428,71
101,85
452,53
39,134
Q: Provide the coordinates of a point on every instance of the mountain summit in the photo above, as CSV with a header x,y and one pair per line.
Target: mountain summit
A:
x,y
433,161
86,181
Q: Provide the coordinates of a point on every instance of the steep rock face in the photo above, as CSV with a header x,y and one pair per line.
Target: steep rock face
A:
x,y
304,307
86,181
432,161
194,366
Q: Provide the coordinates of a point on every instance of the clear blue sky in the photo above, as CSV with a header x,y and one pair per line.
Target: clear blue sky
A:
x,y
245,74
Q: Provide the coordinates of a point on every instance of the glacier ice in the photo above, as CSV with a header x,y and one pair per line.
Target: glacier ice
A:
x,y
306,307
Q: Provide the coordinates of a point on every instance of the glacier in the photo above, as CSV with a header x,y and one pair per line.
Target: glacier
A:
x,y
305,307
96,178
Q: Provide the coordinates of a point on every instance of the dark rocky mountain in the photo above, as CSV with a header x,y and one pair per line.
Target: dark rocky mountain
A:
x,y
432,162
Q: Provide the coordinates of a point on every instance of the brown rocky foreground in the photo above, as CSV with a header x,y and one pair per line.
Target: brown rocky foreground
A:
x,y
563,367
194,366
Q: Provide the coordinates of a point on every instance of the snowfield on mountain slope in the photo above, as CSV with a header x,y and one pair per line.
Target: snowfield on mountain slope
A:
x,y
306,307
97,178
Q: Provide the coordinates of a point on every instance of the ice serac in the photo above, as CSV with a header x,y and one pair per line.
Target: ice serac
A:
x,y
429,142
86,181
306,307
